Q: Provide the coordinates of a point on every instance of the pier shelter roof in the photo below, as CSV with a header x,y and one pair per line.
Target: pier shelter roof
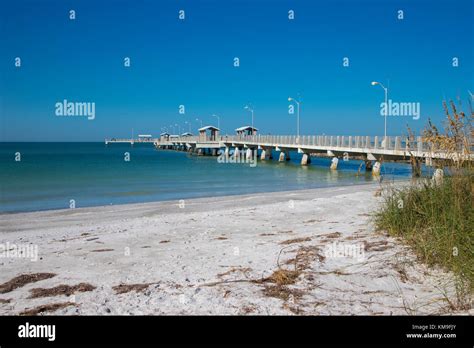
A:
x,y
249,130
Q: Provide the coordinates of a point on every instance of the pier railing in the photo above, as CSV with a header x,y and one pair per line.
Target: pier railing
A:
x,y
397,143
367,144
392,143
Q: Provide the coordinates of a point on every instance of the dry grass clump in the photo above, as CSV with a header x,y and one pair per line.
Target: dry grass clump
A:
x,y
376,246
280,280
282,277
124,288
304,256
62,289
22,280
279,283
333,235
282,292
296,240
47,308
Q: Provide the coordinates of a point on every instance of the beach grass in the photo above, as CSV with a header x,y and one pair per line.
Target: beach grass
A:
x,y
436,218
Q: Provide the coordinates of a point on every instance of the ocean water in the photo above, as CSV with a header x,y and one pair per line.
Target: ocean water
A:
x,y
50,175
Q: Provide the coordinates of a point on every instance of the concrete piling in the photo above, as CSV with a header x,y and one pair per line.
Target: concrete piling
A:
x,y
248,154
376,169
237,153
305,160
266,154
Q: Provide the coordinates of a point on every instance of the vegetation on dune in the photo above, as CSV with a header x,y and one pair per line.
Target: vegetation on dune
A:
x,y
436,216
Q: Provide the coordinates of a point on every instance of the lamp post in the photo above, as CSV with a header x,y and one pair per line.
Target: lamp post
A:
x,y
218,121
297,118
249,108
386,104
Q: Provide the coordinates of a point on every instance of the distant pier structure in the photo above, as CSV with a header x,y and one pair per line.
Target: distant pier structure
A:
x,y
142,138
247,143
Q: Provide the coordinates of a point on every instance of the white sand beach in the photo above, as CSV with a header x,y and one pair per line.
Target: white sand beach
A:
x,y
218,256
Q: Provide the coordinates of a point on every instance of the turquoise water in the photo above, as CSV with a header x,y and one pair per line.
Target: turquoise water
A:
x,y
49,175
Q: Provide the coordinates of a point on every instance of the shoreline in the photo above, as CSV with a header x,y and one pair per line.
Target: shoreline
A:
x,y
173,206
257,254
205,198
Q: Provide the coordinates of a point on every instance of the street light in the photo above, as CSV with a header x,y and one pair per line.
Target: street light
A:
x,y
297,118
179,128
218,121
386,104
249,108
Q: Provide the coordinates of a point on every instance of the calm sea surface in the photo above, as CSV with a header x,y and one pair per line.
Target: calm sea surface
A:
x,y
49,175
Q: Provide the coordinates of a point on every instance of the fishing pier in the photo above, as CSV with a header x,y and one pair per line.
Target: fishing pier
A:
x,y
373,150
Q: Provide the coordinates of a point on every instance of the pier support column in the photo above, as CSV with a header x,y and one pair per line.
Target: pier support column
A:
x,y
248,154
368,165
305,160
438,177
287,155
237,153
266,154
376,169
200,152
214,152
334,163
282,157
428,162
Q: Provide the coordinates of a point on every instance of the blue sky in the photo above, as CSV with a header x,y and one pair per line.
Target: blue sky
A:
x,y
190,63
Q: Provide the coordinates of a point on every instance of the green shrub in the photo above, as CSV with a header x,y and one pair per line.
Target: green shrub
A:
x,y
436,221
